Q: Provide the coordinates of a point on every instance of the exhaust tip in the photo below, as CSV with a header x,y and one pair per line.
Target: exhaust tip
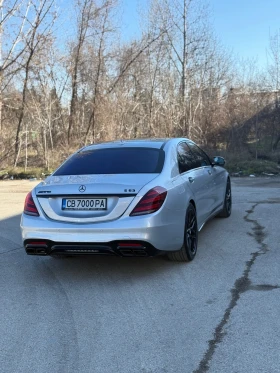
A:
x,y
30,251
133,252
130,248
36,248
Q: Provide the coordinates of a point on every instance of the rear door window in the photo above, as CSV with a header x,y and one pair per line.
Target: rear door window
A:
x,y
201,159
186,160
113,161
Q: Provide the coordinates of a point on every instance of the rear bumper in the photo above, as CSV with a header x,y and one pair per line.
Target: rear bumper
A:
x,y
155,234
114,248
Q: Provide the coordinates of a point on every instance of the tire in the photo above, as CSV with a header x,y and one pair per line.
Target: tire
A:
x,y
226,211
189,248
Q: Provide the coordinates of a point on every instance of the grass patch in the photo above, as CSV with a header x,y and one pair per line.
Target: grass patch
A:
x,y
20,173
252,167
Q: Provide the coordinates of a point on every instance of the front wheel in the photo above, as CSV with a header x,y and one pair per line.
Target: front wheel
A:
x,y
189,248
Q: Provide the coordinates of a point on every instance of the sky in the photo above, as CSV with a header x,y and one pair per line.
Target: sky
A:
x,y
243,26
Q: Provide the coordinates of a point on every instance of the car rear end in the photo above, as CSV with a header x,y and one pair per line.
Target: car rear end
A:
x,y
103,200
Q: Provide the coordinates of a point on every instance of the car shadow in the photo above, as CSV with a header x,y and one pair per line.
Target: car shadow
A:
x,y
10,236
89,268
78,267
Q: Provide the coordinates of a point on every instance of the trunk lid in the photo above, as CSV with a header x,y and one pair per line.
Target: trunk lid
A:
x,y
89,198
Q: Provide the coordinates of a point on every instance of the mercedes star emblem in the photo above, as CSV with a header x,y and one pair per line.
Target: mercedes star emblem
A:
x,y
82,188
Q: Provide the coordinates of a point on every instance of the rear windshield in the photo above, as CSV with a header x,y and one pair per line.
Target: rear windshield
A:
x,y
114,161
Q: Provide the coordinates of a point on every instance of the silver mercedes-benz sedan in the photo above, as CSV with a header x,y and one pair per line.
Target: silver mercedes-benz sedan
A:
x,y
127,198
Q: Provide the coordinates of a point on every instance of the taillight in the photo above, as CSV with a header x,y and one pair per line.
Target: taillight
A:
x,y
150,202
29,206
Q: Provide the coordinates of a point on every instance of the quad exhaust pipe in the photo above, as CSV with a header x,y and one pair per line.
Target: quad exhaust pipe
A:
x,y
36,248
36,251
132,249
133,252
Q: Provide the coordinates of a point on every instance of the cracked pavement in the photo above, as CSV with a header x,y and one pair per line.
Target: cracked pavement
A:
x,y
243,285
219,313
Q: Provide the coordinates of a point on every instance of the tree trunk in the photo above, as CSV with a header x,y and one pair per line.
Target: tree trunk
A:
x,y
276,142
22,109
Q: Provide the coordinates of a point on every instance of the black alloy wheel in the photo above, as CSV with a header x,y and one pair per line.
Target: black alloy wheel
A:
x,y
191,233
226,211
189,248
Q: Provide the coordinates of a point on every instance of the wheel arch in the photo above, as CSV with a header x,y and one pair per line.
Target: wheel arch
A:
x,y
193,203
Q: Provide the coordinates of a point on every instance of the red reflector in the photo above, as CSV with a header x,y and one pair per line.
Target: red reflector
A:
x,y
29,206
37,243
129,244
150,202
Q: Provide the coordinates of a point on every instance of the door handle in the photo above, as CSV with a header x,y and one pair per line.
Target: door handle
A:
x,y
191,179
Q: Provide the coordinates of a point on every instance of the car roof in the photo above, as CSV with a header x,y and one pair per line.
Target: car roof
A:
x,y
136,143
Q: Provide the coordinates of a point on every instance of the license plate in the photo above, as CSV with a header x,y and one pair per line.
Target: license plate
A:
x,y
84,204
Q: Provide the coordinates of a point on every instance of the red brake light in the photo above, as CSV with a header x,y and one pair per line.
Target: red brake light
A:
x,y
29,206
150,202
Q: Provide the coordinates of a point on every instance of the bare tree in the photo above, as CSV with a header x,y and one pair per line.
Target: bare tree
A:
x,y
35,37
274,75
85,14
102,32
92,26
11,46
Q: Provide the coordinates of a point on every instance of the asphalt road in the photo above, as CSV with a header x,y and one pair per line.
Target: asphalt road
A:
x,y
218,314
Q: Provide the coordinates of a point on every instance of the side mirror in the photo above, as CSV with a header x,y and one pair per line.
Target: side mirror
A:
x,y
219,161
